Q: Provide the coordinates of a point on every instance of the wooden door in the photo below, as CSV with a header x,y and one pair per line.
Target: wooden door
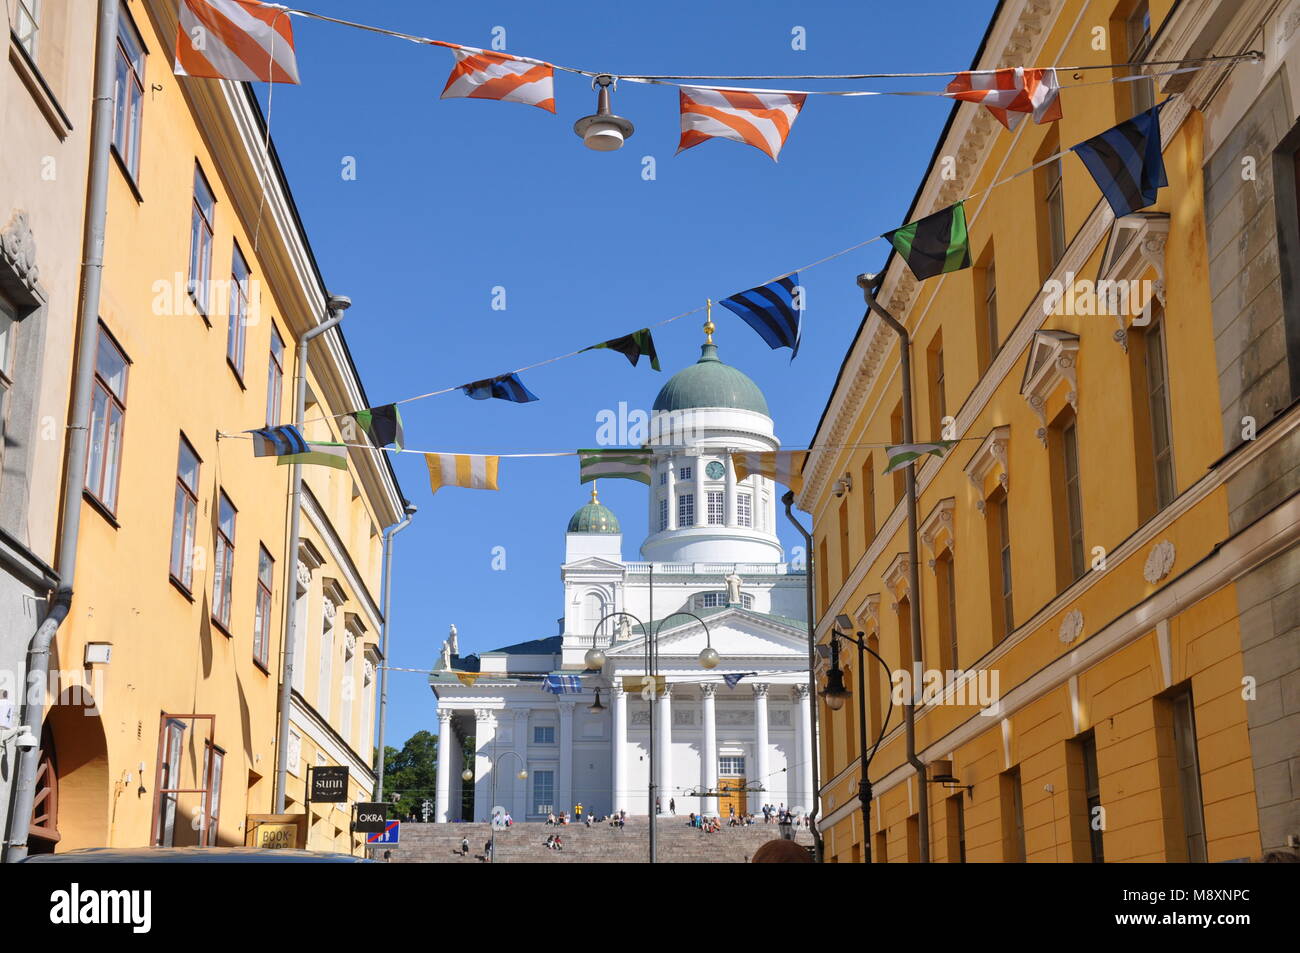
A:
x,y
731,793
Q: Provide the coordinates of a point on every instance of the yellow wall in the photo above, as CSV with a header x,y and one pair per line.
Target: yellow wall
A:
x,y
168,653
1117,694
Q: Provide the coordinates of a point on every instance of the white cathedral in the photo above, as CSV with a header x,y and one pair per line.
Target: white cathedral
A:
x,y
712,574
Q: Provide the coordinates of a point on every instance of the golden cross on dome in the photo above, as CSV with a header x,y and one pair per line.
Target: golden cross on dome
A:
x,y
708,321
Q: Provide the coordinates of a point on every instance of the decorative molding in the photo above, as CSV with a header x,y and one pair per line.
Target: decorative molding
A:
x,y
869,611
330,610
18,254
759,689
304,574
896,577
1053,359
444,718
1159,562
708,689
993,452
937,524
1071,626
800,693
1136,243
309,555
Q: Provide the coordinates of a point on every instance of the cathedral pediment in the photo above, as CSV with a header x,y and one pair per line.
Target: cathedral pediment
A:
x,y
734,633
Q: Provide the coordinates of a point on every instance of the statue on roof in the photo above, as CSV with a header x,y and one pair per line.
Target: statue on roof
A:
x,y
624,629
444,657
453,641
733,587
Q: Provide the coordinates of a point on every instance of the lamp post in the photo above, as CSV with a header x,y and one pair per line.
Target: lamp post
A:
x,y
595,658
523,773
337,306
836,694
788,499
870,284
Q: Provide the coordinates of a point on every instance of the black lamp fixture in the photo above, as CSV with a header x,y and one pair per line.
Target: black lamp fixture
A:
x,y
835,694
596,707
604,131
941,774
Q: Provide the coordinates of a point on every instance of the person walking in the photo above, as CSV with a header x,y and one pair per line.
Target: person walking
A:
x,y
464,846
672,806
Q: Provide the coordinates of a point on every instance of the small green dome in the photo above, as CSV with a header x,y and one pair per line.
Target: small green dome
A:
x,y
595,517
710,383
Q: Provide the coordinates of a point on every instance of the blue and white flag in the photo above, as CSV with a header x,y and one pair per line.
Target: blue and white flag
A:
x,y
277,441
774,310
734,680
1126,162
562,684
506,387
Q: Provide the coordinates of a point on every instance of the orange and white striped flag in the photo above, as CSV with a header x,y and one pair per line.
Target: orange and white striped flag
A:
x,y
482,74
1011,94
782,466
234,39
462,469
757,117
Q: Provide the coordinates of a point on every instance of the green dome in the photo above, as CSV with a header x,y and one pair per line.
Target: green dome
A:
x,y
595,517
710,383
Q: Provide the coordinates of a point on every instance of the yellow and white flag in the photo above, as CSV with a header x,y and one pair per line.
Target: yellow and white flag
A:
x,y
783,466
462,469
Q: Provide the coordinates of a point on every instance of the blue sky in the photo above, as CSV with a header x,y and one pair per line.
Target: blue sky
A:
x,y
454,198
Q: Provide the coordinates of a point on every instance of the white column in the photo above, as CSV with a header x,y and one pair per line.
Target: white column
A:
x,y
709,753
446,742
672,495
485,733
519,799
732,517
762,764
664,744
801,786
701,496
619,787
564,784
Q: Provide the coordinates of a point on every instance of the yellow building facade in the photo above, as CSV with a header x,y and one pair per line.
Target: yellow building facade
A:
x,y
1100,549
174,641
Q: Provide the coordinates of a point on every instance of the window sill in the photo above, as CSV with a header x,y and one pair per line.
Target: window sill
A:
x,y
239,378
199,307
32,78
100,508
126,174
180,587
221,627
261,667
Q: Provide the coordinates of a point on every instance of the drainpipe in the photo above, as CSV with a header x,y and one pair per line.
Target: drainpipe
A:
x,y
74,463
870,284
815,810
336,305
383,645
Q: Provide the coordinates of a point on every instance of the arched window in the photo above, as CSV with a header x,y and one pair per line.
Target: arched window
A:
x,y
593,610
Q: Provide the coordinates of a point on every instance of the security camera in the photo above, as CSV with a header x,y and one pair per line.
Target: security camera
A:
x,y
844,622
27,740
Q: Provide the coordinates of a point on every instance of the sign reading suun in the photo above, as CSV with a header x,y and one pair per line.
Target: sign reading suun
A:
x,y
329,784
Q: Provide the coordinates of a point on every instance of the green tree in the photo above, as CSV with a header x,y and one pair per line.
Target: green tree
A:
x,y
411,773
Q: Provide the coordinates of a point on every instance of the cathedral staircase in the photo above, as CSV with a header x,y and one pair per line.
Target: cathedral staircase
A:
x,y
525,843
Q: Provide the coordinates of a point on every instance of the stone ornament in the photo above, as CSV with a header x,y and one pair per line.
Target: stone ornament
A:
x,y
304,575
1071,626
19,249
1159,562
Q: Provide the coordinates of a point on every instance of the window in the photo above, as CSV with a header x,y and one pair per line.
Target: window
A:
x,y
685,510
1157,387
107,411
185,516
8,334
905,635
868,485
238,327
543,792
1054,209
1137,29
27,23
543,734
1074,497
262,619
990,312
716,511
844,540
326,671
938,398
663,477
1183,718
823,580
128,95
169,777
211,781
995,515
715,600
1013,817
223,568
744,509
274,379
896,437
880,853
684,473
946,581
663,515
873,691
731,765
1092,795
201,241
956,823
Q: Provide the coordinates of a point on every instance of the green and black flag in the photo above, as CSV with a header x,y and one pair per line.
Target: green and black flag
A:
x,y
935,244
383,424
632,346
